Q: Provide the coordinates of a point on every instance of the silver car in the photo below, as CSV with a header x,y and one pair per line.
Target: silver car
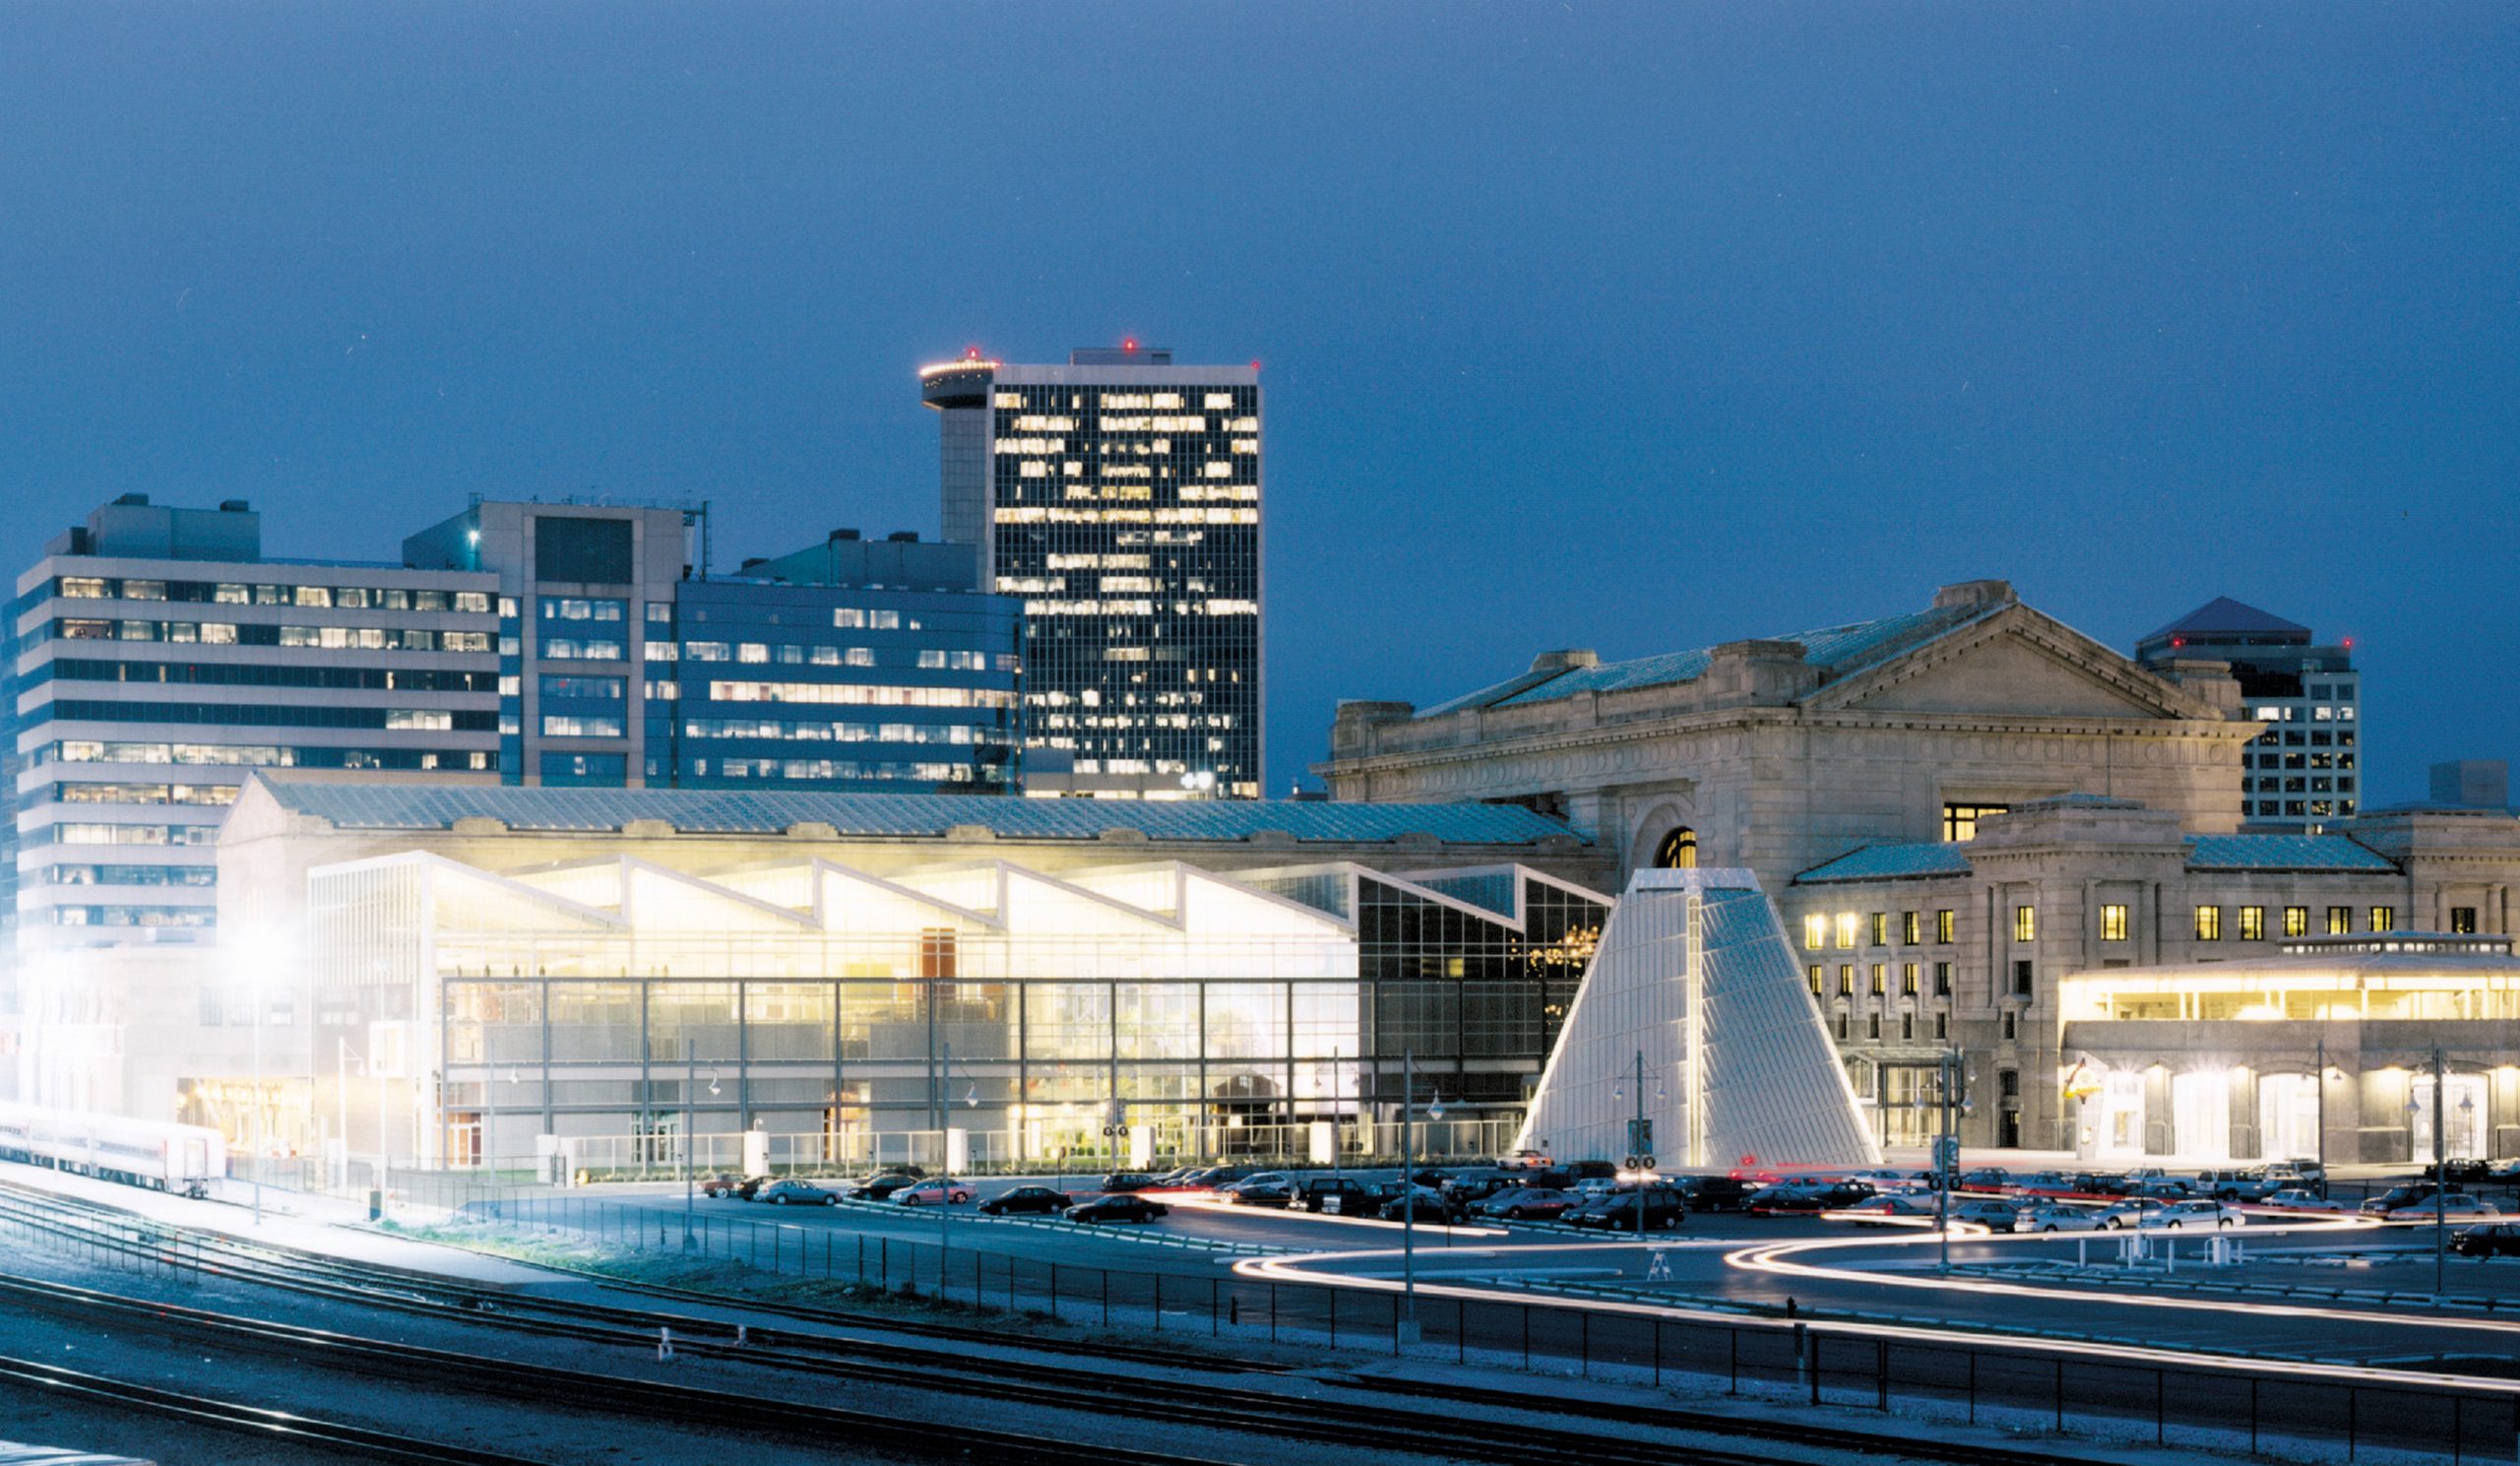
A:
x,y
2204,1211
2305,1201
2051,1218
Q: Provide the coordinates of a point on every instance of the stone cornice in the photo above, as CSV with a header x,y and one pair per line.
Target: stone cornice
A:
x,y
1722,719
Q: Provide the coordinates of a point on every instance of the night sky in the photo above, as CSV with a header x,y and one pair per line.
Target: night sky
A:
x,y
1629,327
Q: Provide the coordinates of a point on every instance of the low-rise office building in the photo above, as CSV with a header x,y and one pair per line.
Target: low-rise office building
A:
x,y
2304,770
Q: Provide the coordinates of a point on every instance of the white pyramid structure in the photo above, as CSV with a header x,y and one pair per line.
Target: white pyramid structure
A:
x,y
1694,1002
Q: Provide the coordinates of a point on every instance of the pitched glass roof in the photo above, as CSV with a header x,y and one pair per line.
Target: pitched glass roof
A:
x,y
1890,862
2282,852
1839,651
409,806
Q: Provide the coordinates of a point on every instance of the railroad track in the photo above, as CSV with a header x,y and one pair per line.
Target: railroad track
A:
x,y
1384,1424
251,1420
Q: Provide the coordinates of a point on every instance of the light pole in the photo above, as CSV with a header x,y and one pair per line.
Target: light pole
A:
x,y
1409,1191
2441,1179
2322,1107
945,1207
1946,1161
690,1139
261,1137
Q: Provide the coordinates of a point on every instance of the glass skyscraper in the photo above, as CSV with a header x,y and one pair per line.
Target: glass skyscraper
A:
x,y
1118,495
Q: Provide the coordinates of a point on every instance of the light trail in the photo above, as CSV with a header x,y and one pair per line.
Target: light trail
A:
x,y
1303,1269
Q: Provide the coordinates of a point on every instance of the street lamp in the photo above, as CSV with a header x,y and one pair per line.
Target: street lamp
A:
x,y
1409,1191
690,1137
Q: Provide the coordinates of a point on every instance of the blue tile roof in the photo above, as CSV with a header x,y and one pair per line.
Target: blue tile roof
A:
x,y
2282,852
1838,651
409,806
1890,862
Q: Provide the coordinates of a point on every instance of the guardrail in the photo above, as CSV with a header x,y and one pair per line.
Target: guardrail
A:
x,y
1762,1354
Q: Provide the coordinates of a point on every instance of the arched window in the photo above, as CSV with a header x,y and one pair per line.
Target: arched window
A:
x,y
1678,852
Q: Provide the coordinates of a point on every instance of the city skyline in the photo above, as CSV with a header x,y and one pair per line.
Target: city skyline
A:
x,y
2127,368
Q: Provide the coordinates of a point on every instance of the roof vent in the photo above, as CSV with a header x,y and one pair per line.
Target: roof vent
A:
x,y
1567,660
131,499
235,506
1974,592
844,535
903,537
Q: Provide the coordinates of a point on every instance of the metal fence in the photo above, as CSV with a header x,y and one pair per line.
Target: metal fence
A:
x,y
2013,1384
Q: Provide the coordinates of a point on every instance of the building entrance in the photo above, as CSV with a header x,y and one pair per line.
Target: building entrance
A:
x,y
2202,1115
2287,1116
2462,1117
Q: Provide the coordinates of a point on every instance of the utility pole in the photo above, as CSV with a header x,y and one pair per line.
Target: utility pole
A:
x,y
690,1081
2440,1179
261,1137
1636,1143
1945,1157
1408,1197
2323,1084
342,1104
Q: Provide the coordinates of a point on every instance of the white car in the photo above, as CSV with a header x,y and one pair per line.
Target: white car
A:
x,y
2204,1211
2456,1208
2056,1219
2300,1200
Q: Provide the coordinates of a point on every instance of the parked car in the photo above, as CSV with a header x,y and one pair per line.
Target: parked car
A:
x,y
2202,1211
1994,1216
1126,1180
2100,1183
1126,1207
2293,1198
2488,1239
1026,1199
2454,1206
2044,1183
789,1191
2055,1217
1593,1188
1209,1178
2161,1188
1267,1188
2132,1213
881,1187
1525,1160
1469,1190
1175,1176
1425,1205
723,1183
2466,1171
1805,1198
940,1191
2404,1194
1342,1195
1583,1168
1662,1206
1890,1209
1985,1179
1704,1193
1528,1204
2233,1185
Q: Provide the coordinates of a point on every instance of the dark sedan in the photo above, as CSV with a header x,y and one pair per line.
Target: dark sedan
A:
x,y
1127,1180
1804,1200
2490,1240
1120,1208
1026,1199
1662,1211
881,1188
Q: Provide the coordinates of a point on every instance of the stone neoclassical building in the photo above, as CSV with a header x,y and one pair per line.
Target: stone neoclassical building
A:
x,y
1778,754
1961,808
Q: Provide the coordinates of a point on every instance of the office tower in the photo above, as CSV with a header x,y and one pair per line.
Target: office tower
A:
x,y
2301,771
1120,497
2473,784
161,657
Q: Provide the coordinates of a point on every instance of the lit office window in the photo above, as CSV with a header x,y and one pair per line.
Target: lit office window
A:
x,y
1845,929
2340,919
2025,924
2209,923
2252,924
1815,931
2384,918
1945,922
2113,924
1960,821
2296,920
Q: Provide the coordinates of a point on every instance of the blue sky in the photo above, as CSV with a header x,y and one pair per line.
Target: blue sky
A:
x,y
1629,327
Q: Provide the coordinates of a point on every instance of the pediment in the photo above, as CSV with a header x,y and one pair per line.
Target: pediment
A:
x,y
2021,670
